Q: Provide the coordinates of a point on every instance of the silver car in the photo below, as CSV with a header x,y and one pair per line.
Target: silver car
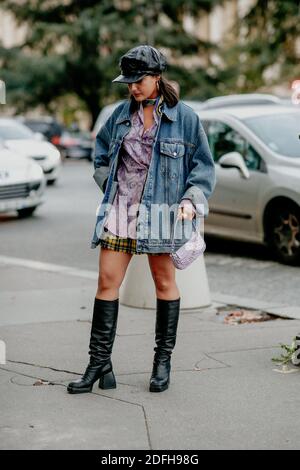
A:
x,y
257,196
244,99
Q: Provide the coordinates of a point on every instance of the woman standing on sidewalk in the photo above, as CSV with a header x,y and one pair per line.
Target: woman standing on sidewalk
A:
x,y
181,171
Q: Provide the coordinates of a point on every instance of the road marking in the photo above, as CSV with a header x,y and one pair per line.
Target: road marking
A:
x,y
210,260
49,267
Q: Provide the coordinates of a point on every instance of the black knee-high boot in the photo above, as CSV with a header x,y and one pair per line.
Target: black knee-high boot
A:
x,y
167,314
103,331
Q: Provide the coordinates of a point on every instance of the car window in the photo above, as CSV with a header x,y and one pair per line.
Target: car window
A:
x,y
280,132
14,131
49,129
223,139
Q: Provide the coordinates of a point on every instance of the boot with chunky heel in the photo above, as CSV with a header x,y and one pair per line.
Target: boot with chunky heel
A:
x,y
103,332
167,315
107,381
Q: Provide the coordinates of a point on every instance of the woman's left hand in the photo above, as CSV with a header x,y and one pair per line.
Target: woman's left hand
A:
x,y
186,210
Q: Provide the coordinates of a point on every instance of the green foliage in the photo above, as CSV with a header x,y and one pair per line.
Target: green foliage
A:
x,y
268,35
286,354
75,47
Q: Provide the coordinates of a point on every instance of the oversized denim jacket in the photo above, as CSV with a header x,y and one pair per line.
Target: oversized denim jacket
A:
x,y
181,167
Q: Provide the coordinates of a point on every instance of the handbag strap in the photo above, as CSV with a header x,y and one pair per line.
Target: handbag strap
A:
x,y
175,225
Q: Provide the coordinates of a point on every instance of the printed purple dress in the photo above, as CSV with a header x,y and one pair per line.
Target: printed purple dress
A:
x,y
135,155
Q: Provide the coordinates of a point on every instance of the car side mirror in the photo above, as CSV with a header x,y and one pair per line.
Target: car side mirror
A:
x,y
234,160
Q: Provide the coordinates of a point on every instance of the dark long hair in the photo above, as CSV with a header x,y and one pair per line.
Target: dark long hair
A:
x,y
166,89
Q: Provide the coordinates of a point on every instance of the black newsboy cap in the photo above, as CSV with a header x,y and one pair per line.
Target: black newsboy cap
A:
x,y
140,61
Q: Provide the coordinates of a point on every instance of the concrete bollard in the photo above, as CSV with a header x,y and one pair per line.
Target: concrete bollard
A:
x,y
138,288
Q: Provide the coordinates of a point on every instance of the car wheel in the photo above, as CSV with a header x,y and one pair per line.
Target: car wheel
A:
x,y
283,234
26,212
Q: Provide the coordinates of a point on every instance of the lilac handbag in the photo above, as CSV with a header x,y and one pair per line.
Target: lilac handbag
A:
x,y
191,250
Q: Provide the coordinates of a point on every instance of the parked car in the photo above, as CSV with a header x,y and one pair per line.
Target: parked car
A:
x,y
22,183
71,142
74,143
21,139
195,104
242,99
46,125
257,196
289,102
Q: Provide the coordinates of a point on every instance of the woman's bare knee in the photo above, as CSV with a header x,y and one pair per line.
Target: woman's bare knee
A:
x,y
164,285
112,269
163,274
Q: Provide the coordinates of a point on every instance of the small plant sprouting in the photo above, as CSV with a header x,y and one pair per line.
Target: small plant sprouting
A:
x,y
287,353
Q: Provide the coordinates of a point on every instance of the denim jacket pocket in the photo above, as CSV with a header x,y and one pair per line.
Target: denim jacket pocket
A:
x,y
171,168
172,149
171,157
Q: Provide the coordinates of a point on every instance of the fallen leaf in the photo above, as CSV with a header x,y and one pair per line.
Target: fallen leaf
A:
x,y
41,382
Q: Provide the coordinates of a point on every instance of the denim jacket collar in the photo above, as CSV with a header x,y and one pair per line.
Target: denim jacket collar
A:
x,y
171,113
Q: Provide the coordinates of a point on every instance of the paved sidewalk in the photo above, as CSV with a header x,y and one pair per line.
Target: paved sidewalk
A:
x,y
224,391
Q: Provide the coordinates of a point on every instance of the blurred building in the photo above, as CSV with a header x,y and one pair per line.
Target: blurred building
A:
x,y
11,34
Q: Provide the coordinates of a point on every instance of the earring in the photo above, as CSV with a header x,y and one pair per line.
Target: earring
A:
x,y
157,84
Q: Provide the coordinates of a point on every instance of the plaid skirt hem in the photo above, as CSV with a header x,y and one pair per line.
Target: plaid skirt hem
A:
x,y
124,245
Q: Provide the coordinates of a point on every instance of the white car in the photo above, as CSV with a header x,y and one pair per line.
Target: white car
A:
x,y
22,183
22,140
